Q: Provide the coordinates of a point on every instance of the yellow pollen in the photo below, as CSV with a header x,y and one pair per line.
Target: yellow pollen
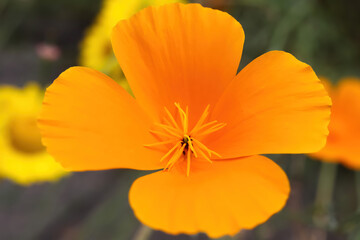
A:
x,y
180,142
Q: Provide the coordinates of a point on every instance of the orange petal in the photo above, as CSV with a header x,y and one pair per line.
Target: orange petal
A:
x,y
276,104
327,84
344,139
178,53
218,199
88,122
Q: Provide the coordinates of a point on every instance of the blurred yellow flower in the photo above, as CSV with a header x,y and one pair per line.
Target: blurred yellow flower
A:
x,y
23,158
96,50
344,139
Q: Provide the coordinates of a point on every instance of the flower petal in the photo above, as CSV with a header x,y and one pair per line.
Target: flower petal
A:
x,y
88,122
219,198
178,53
276,104
344,139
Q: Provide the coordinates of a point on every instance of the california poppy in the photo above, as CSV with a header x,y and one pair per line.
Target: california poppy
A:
x,y
193,117
23,159
343,141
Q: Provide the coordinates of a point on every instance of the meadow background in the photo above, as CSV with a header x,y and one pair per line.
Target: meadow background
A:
x,y
93,205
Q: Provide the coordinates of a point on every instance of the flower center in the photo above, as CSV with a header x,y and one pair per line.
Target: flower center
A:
x,y
25,135
181,143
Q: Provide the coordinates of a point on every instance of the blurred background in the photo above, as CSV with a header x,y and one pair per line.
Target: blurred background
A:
x,y
39,39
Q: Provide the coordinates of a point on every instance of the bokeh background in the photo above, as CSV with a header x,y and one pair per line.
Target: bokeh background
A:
x,y
40,38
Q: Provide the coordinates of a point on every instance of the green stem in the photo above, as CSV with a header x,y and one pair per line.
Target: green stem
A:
x,y
143,233
324,194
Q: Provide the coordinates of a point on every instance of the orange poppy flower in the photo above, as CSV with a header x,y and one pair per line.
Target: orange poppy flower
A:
x,y
193,117
344,139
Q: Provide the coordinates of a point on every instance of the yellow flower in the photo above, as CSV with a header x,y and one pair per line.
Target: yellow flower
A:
x,y
23,158
96,50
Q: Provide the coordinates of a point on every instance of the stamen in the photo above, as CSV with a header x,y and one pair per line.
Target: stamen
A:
x,y
204,155
169,152
202,127
161,133
189,142
182,114
201,145
175,130
160,143
171,118
202,118
167,122
215,153
170,130
175,157
212,129
188,163
186,125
